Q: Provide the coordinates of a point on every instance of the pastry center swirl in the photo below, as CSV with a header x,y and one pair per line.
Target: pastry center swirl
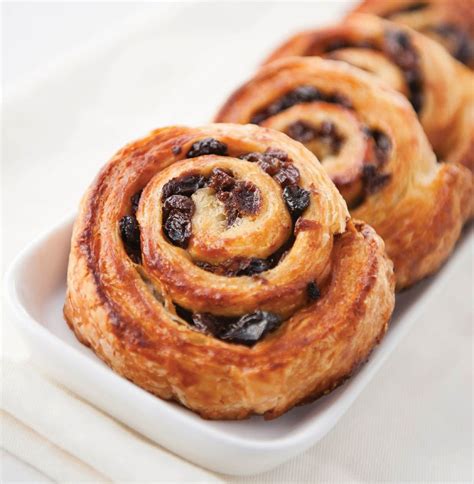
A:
x,y
217,216
354,155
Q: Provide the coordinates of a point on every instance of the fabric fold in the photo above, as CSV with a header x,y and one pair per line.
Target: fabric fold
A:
x,y
95,447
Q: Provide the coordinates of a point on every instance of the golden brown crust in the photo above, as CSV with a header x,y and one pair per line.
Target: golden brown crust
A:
x,y
125,311
421,207
449,22
447,98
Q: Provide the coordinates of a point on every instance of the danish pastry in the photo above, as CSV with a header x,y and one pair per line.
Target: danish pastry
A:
x,y
439,88
449,22
369,140
219,267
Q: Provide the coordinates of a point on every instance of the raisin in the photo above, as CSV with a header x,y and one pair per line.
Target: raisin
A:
x,y
246,198
397,45
270,161
304,133
288,174
301,131
399,48
176,149
297,200
301,94
231,211
253,157
372,180
239,197
255,266
130,232
327,128
183,313
221,181
178,202
205,323
276,153
337,44
339,99
206,266
207,146
250,328
247,330
178,228
305,94
383,145
185,185
135,200
259,118
239,266
313,291
270,165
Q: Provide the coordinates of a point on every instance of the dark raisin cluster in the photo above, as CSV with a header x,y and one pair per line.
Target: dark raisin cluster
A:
x,y
130,230
247,329
297,200
373,180
239,197
135,200
340,43
299,95
185,185
238,266
207,146
277,164
178,207
326,132
399,48
313,291
460,44
383,145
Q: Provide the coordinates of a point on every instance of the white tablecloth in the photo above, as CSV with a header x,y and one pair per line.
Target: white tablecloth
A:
x,y
175,64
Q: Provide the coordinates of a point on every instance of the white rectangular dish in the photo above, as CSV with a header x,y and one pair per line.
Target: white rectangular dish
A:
x,y
36,284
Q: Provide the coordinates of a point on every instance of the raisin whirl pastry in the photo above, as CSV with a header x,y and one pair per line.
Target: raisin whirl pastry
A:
x,y
369,140
449,22
440,89
219,267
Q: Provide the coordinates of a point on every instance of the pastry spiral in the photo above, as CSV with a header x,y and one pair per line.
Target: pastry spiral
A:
x,y
219,267
439,88
449,22
369,140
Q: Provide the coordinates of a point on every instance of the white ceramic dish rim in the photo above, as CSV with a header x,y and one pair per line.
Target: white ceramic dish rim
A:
x,y
297,439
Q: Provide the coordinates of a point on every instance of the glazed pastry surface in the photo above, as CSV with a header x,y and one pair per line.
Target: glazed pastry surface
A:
x,y
369,140
449,22
439,88
219,267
